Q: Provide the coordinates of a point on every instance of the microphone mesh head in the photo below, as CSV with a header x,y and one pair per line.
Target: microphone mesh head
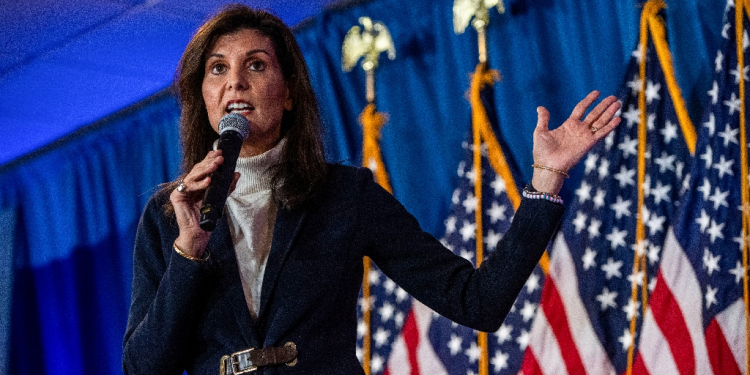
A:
x,y
235,122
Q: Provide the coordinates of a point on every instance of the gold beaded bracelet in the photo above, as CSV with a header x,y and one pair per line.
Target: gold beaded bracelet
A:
x,y
205,257
551,169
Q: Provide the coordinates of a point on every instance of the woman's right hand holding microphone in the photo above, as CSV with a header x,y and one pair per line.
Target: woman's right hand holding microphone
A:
x,y
187,200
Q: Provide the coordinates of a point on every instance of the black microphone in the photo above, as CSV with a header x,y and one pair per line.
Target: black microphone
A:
x,y
233,129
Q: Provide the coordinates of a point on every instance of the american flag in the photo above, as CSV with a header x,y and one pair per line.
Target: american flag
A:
x,y
583,325
431,344
384,313
390,308
456,345
697,322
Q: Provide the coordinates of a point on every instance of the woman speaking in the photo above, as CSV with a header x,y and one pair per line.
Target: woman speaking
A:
x,y
273,288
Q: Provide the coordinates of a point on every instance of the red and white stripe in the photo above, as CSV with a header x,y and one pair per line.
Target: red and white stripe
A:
x,y
543,355
553,348
412,353
726,341
672,340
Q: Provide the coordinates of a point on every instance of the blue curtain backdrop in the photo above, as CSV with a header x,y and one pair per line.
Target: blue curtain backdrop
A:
x,y
549,53
68,214
67,225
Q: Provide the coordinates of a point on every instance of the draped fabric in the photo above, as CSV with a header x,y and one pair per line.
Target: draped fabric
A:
x,y
589,311
487,188
549,53
69,217
68,214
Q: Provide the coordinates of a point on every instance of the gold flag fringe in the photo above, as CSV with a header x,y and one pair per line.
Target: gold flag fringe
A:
x,y
482,133
651,22
372,158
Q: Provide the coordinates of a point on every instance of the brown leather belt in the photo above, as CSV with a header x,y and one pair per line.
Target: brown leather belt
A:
x,y
249,360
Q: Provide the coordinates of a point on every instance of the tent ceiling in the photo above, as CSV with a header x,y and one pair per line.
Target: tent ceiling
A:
x,y
67,64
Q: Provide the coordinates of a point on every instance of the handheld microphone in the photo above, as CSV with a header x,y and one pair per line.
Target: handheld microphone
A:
x,y
233,129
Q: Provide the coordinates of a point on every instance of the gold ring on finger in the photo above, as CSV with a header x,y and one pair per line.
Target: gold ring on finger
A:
x,y
594,129
181,187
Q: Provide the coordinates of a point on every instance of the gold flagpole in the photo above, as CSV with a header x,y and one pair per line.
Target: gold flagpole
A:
x,y
477,13
740,13
368,42
650,10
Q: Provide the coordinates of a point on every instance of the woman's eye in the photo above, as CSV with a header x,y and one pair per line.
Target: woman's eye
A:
x,y
257,65
218,69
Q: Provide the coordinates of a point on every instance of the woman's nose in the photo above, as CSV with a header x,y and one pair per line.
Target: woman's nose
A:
x,y
238,80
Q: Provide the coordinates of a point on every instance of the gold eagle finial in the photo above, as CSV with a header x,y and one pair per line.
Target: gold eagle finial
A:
x,y
478,10
369,42
465,10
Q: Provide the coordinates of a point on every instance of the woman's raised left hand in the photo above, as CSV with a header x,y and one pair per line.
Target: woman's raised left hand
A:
x,y
562,148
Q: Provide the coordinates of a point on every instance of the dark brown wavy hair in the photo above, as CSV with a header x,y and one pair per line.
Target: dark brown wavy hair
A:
x,y
301,170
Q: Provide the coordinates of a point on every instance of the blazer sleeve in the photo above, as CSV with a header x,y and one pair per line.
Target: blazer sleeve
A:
x,y
167,290
449,284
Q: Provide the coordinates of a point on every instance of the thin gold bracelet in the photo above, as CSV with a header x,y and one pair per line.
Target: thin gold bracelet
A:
x,y
206,255
551,169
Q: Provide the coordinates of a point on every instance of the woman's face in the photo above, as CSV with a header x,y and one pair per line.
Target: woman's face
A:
x,y
243,75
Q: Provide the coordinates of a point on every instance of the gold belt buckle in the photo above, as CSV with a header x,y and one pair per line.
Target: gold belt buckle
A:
x,y
239,363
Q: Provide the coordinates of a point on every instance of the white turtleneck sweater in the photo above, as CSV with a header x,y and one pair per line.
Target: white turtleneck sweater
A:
x,y
251,216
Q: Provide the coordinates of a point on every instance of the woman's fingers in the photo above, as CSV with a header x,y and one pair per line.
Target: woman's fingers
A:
x,y
609,113
542,122
602,111
607,120
605,115
606,129
200,176
583,105
187,199
206,166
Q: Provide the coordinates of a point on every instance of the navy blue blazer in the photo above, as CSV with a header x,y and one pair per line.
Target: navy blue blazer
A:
x,y
187,315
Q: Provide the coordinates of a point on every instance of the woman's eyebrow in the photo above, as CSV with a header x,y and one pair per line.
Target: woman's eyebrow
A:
x,y
248,53
254,51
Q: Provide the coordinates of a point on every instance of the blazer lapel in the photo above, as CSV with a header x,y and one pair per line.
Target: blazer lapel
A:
x,y
221,238
286,229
